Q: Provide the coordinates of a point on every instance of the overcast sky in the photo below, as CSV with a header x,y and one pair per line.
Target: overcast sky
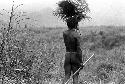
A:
x,y
111,12
29,4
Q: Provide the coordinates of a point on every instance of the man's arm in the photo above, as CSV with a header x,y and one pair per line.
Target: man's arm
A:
x,y
79,41
79,50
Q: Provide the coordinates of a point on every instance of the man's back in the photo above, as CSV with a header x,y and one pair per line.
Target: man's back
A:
x,y
71,40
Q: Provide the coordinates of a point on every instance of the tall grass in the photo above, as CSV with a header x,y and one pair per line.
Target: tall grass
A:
x,y
41,55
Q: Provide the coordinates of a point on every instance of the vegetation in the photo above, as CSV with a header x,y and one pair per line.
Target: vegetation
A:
x,y
40,55
68,9
36,56
72,12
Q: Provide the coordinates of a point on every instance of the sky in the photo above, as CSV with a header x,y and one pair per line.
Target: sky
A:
x,y
103,12
29,4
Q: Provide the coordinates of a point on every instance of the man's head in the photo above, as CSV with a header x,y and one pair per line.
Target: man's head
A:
x,y
72,23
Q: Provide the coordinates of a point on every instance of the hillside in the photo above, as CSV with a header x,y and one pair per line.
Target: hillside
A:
x,y
46,18
42,53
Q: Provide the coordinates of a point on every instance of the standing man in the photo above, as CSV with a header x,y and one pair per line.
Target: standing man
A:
x,y
72,13
73,56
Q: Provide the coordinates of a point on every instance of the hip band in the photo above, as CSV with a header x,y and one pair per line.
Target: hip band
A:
x,y
71,52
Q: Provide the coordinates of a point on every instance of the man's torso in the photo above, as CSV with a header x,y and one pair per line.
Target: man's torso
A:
x,y
71,38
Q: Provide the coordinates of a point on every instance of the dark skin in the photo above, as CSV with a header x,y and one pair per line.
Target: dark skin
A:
x,y
73,57
72,41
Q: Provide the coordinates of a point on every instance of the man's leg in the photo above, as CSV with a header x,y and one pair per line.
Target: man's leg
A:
x,y
75,79
67,76
75,65
67,68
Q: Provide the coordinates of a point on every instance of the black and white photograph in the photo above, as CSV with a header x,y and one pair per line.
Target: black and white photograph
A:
x,y
62,42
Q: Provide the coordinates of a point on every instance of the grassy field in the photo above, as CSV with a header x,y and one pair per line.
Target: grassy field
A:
x,y
46,49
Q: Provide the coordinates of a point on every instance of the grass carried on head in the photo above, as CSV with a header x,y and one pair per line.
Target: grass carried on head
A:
x,y
68,9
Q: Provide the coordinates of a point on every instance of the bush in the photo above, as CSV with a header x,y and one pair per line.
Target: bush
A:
x,y
104,40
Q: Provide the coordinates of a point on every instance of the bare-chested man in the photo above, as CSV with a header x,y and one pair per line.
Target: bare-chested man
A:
x,y
73,56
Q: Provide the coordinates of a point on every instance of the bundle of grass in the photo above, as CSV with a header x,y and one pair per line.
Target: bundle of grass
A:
x,y
72,11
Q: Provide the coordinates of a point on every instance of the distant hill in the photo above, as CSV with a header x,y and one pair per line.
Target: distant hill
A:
x,y
45,18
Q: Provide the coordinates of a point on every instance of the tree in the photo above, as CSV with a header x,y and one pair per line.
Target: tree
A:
x,y
8,50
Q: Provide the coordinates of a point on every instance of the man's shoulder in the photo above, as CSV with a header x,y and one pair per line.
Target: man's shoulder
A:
x,y
66,32
74,33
